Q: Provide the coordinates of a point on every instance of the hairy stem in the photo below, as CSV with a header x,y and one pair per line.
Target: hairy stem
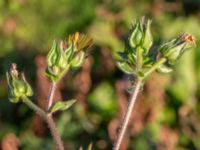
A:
x,y
34,107
51,95
54,132
127,116
50,120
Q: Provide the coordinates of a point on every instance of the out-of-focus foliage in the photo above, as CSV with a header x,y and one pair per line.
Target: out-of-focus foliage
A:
x,y
167,112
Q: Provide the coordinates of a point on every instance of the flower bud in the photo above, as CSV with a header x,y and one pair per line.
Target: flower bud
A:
x,y
148,39
56,56
17,84
65,55
173,49
57,61
78,60
136,35
81,43
141,35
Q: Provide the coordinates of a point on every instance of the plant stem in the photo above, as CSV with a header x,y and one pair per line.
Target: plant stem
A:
x,y
155,66
50,120
127,115
139,58
54,132
51,95
34,107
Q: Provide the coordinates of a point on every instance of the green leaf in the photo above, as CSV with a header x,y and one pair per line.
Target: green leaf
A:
x,y
61,106
147,62
125,67
164,69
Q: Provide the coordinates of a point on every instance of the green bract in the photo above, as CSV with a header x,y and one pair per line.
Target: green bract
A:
x,y
17,84
67,55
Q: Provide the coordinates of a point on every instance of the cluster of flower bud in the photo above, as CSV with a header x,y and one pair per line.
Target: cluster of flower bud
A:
x,y
141,35
136,59
67,55
17,84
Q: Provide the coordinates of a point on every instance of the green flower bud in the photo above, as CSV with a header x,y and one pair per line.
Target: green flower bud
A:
x,y
66,55
56,56
80,43
57,61
78,60
173,49
148,39
136,35
17,84
141,35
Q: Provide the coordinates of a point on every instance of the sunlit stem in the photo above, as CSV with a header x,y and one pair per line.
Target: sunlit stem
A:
x,y
127,116
154,67
51,95
139,53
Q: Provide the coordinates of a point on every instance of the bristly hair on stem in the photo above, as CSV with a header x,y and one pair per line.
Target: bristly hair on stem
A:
x,y
127,115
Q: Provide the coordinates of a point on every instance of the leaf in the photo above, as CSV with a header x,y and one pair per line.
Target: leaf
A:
x,y
122,55
61,106
125,67
164,69
148,62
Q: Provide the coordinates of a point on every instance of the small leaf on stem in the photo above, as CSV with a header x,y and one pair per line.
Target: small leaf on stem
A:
x,y
61,106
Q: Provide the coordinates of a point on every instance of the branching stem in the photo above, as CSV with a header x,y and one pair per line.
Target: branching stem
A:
x,y
154,67
127,116
34,107
47,117
50,120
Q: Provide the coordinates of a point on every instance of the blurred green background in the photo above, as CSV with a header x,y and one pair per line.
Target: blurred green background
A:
x,y
167,113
